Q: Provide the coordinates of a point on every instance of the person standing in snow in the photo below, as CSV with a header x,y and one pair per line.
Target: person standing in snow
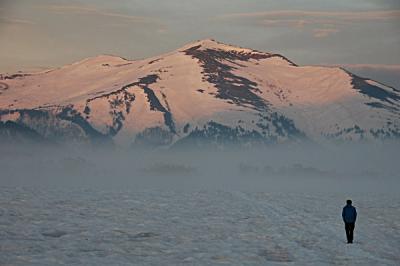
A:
x,y
349,215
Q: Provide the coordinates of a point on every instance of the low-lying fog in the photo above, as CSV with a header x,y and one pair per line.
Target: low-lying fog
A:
x,y
343,168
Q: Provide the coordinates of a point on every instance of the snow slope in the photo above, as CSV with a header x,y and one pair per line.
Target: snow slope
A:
x,y
105,227
204,91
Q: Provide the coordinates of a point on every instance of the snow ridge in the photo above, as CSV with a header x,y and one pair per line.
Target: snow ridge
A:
x,y
206,91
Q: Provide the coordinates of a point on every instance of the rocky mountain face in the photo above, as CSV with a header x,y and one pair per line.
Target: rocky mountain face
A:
x,y
203,94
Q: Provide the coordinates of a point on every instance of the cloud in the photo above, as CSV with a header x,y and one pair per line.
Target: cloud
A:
x,y
321,23
307,15
88,10
110,18
294,23
368,67
322,33
162,30
373,66
15,21
387,74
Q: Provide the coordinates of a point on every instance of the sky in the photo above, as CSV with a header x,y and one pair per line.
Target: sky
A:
x,y
363,35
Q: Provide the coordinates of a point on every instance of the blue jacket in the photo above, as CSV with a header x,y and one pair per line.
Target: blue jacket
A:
x,y
349,214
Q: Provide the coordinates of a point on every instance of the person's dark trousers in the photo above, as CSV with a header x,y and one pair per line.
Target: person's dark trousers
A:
x,y
349,231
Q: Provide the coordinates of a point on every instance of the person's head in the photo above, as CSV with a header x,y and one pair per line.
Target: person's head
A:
x,y
349,202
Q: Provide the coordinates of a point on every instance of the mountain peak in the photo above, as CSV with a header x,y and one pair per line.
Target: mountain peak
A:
x,y
238,52
205,44
206,92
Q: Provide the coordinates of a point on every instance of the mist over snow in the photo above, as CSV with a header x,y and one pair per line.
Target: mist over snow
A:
x,y
344,168
81,205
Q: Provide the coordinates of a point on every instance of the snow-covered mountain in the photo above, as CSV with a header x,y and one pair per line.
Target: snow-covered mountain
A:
x,y
203,93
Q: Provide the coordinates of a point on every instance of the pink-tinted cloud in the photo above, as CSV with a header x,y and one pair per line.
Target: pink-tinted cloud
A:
x,y
387,74
306,15
321,24
322,33
373,66
14,21
88,10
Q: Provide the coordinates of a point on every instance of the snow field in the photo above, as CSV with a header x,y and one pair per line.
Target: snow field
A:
x,y
193,227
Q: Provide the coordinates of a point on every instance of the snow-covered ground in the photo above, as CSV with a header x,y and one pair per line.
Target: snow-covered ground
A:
x,y
280,206
76,226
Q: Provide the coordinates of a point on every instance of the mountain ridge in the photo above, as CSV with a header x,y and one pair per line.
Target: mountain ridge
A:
x,y
205,90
